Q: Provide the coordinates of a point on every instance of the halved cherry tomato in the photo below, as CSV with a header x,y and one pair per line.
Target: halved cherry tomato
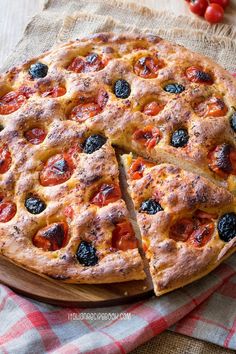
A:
x,y
198,7
148,67
57,169
5,159
211,107
214,13
148,136
35,135
222,160
57,91
153,108
84,111
196,74
52,237
7,210
202,235
137,168
107,193
123,237
69,212
92,62
182,229
11,102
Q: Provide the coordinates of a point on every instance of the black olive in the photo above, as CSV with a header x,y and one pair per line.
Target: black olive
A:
x,y
233,121
150,206
86,254
227,227
34,205
223,160
174,88
122,89
38,70
179,138
93,143
1,127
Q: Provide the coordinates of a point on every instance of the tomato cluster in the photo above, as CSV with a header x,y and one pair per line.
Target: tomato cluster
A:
x,y
211,10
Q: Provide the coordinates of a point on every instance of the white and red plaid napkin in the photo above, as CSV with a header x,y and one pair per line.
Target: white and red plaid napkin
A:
x,y
28,326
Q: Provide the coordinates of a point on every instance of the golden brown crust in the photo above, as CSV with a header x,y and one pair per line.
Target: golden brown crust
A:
x,y
174,263
118,120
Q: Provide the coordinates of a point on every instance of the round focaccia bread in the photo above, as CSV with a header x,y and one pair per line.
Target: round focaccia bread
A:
x,y
183,218
61,212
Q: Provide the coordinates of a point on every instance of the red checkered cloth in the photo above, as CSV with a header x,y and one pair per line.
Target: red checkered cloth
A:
x,y
28,326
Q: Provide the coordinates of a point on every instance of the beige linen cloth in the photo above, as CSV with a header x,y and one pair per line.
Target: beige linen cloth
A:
x,y
62,20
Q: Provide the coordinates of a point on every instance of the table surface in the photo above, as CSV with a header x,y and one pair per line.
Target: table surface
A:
x,y
14,16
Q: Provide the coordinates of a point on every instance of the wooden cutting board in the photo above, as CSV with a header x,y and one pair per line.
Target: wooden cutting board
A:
x,y
57,293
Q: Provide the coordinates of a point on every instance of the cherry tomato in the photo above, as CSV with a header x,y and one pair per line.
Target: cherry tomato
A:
x,y
137,168
107,193
35,135
7,211
182,229
211,107
55,92
222,160
222,3
148,136
196,74
92,62
214,13
123,237
52,237
198,7
84,111
11,102
202,235
5,159
57,169
147,67
152,108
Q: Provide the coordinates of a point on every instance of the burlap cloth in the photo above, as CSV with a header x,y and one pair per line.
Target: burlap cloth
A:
x,y
62,20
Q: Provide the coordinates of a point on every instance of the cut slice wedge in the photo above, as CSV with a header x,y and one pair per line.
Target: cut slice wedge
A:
x,y
187,223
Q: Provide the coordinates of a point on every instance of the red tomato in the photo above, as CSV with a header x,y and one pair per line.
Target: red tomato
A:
x,y
52,237
57,169
35,135
11,102
196,74
123,237
198,7
84,111
214,13
148,136
7,211
137,168
223,3
55,92
202,235
211,107
182,229
92,62
152,108
5,159
147,67
107,193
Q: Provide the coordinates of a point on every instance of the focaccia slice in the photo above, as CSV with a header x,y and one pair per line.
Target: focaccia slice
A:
x,y
187,223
